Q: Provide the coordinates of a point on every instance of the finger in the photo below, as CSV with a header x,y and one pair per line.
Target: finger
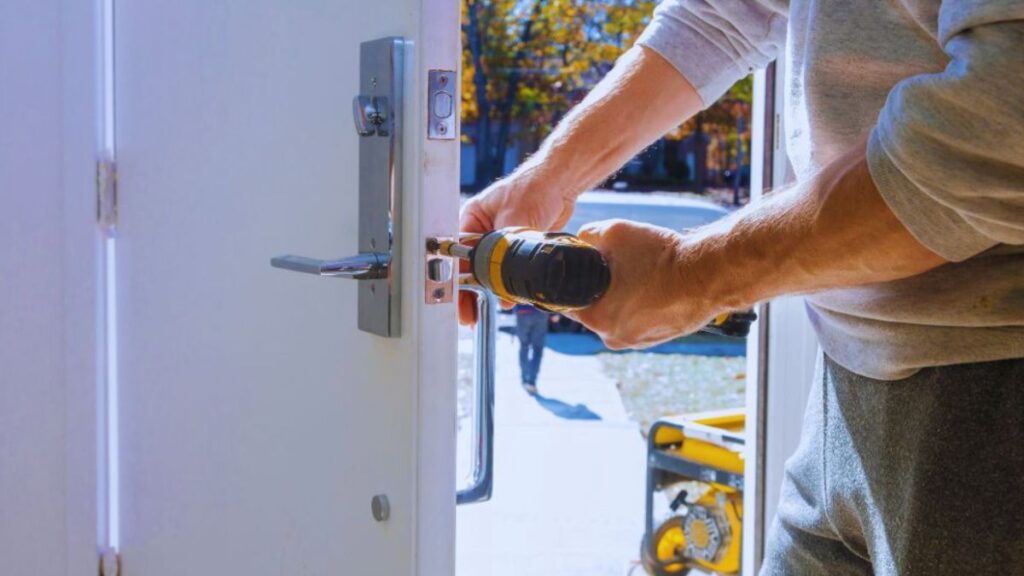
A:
x,y
473,218
506,305
614,344
596,233
590,233
467,308
586,318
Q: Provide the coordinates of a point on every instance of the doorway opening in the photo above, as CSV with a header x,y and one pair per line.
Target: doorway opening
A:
x,y
571,463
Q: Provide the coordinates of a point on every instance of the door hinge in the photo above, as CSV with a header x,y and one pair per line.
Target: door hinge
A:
x,y
110,562
106,195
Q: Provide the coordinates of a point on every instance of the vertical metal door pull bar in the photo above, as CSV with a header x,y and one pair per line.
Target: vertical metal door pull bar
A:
x,y
483,423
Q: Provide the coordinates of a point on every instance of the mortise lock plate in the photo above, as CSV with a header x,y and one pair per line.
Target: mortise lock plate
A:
x,y
377,114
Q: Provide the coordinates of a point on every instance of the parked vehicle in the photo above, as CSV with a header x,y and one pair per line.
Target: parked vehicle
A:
x,y
667,210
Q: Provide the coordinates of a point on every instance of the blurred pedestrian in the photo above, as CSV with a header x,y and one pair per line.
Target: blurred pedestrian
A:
x,y
532,329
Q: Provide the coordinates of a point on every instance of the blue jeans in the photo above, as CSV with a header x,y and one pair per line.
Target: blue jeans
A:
x,y
532,328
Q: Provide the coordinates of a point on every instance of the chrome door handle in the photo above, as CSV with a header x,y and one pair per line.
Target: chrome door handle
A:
x,y
365,266
483,423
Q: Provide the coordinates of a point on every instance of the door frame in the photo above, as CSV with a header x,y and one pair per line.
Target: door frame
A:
x,y
437,205
782,352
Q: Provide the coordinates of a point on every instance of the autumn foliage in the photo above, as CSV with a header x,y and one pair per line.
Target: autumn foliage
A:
x,y
526,62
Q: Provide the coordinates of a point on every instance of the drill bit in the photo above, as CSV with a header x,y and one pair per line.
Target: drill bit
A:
x,y
449,247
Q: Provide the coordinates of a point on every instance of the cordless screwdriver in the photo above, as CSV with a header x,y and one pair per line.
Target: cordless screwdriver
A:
x,y
554,271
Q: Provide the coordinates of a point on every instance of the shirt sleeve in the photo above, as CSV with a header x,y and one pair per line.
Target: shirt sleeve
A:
x,y
714,43
947,153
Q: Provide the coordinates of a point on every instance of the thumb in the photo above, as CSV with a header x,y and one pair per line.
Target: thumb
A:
x,y
596,233
474,218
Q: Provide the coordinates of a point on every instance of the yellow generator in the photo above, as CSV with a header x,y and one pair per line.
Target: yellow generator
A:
x,y
695,464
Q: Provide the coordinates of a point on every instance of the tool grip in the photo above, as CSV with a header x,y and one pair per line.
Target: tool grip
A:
x,y
734,324
554,271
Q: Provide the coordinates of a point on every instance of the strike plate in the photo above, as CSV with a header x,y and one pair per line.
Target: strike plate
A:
x,y
442,105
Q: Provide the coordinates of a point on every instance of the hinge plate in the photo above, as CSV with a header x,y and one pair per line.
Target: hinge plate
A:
x,y
106,196
110,562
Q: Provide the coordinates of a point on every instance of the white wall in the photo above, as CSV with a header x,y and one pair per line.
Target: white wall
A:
x,y
47,404
32,425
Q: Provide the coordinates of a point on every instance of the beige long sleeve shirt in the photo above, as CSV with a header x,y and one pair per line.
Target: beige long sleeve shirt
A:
x,y
939,84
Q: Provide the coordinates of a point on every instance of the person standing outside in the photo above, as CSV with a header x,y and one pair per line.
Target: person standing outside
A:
x,y
532,329
904,228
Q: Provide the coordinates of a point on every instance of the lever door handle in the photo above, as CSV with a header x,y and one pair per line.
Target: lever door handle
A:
x,y
364,266
483,422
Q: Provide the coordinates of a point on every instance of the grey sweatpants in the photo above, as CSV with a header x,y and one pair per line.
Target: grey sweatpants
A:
x,y
917,476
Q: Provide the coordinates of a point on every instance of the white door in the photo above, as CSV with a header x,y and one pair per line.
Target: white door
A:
x,y
257,422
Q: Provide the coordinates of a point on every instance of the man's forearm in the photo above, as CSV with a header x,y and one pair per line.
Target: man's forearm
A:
x,y
637,102
832,231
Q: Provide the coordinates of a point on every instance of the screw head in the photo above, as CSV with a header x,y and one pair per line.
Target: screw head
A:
x,y
442,128
380,507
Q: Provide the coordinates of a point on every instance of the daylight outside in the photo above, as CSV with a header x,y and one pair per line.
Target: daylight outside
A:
x,y
571,454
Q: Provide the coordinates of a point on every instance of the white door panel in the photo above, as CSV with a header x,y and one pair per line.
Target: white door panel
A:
x,y
257,422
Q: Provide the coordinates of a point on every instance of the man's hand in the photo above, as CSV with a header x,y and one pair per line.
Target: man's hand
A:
x,y
515,201
592,141
653,297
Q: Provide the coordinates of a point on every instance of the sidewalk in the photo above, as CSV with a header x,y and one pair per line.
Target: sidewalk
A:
x,y
569,477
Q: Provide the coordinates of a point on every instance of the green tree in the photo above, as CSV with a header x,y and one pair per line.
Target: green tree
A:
x,y
526,62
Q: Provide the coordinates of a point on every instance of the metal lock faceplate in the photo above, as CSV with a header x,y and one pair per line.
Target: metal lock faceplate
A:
x,y
380,182
442,105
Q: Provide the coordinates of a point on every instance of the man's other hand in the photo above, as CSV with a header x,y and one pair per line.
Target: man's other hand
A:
x,y
652,297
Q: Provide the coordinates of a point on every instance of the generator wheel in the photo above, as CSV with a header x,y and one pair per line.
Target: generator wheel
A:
x,y
663,565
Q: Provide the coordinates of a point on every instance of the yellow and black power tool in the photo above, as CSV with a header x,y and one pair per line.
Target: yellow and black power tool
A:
x,y
554,271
